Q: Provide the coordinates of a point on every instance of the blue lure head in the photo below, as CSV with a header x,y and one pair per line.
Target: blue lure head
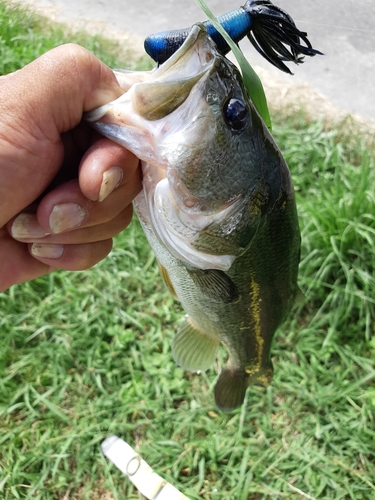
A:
x,y
275,35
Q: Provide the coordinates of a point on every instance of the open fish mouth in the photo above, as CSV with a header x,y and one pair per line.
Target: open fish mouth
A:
x,y
165,89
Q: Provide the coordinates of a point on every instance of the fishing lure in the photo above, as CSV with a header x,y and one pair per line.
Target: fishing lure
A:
x,y
270,29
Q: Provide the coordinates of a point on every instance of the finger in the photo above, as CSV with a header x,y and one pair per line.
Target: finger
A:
x,y
16,263
67,81
104,167
66,208
70,257
39,102
20,262
28,230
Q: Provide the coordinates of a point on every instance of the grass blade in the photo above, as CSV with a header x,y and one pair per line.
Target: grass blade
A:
x,y
251,80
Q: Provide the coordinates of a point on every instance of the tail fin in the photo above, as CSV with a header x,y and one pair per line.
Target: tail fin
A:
x,y
231,387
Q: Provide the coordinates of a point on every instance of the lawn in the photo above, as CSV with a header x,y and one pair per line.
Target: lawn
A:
x,y
85,355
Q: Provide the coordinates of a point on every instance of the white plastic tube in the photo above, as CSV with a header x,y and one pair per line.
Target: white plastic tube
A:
x,y
150,484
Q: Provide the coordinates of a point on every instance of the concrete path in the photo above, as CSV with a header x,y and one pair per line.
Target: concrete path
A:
x,y
342,29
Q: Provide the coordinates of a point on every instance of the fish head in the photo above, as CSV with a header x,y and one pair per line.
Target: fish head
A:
x,y
192,117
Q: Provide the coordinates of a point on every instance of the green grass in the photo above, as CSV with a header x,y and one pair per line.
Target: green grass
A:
x,y
85,355
24,36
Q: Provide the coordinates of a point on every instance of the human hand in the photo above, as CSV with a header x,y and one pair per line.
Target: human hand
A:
x,y
43,141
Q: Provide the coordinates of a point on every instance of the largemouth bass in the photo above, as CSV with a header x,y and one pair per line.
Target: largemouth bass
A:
x,y
217,207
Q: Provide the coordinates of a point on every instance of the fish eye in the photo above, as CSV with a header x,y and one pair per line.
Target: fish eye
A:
x,y
235,114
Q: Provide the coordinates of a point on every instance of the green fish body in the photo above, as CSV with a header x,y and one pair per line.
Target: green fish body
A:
x,y
217,207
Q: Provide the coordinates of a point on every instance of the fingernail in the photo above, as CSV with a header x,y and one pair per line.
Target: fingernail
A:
x,y
111,180
26,226
47,250
66,216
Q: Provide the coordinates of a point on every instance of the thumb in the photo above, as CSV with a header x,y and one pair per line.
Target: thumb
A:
x,y
59,86
40,102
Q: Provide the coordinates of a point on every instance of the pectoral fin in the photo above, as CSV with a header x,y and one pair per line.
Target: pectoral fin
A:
x,y
192,349
215,284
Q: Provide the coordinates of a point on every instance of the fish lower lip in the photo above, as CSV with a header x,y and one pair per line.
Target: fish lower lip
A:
x,y
170,85
197,51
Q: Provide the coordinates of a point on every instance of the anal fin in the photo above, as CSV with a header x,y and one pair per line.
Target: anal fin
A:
x,y
215,284
193,349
